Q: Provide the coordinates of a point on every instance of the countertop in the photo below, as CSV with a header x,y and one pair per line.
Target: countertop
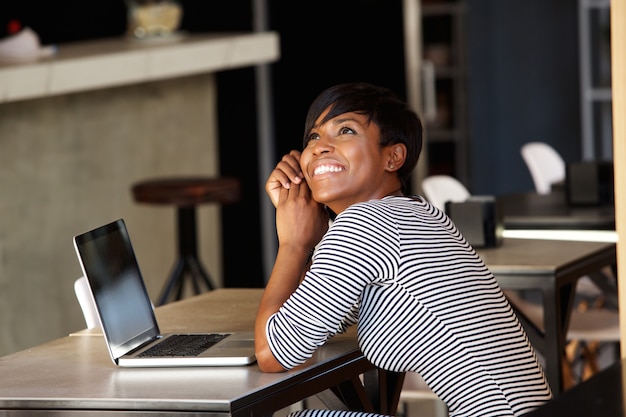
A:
x,y
102,63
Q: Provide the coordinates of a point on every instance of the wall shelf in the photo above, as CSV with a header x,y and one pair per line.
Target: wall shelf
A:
x,y
595,79
443,46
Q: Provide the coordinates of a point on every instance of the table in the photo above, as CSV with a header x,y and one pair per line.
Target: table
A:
x,y
549,216
75,373
604,395
552,267
551,211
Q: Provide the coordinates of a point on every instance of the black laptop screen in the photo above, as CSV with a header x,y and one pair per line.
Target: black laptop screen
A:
x,y
111,268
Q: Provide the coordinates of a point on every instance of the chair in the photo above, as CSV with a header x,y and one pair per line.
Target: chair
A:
x,y
545,164
589,327
83,294
438,189
417,399
186,194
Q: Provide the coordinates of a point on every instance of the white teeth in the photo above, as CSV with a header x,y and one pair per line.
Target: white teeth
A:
x,y
327,168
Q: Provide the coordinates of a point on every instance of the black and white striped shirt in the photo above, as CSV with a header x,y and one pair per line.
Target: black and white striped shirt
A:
x,y
425,302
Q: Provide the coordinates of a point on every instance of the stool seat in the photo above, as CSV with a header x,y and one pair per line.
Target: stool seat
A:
x,y
186,193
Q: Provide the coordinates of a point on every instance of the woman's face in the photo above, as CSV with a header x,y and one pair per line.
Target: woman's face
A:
x,y
343,163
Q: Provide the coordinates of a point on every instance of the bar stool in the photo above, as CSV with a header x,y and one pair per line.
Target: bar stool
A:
x,y
186,193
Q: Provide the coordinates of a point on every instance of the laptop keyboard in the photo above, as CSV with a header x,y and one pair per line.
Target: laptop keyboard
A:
x,y
183,345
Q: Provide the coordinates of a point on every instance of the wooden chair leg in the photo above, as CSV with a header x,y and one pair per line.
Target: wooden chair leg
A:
x,y
590,355
567,364
587,354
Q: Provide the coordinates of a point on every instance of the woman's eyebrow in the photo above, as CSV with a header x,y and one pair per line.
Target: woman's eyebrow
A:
x,y
334,121
338,120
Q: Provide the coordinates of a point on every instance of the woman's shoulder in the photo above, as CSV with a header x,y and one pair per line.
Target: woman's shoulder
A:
x,y
392,203
364,207
385,208
393,210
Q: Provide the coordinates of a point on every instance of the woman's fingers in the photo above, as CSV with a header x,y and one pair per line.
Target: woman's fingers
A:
x,y
286,173
290,166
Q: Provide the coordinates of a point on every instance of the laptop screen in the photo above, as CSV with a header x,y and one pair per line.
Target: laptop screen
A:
x,y
117,286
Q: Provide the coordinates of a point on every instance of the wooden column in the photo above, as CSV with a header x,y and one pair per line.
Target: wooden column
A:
x,y
618,73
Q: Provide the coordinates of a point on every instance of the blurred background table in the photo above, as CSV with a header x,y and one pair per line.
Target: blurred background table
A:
x,y
551,211
551,267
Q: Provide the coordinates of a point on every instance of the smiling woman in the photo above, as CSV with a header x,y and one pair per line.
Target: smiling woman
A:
x,y
391,263
341,140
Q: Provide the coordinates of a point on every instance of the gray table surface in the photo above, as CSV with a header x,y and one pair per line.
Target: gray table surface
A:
x,y
76,374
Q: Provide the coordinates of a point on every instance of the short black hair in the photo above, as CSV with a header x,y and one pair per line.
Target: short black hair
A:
x,y
397,122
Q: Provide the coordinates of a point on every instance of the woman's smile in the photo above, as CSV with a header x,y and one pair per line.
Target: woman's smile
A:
x,y
327,168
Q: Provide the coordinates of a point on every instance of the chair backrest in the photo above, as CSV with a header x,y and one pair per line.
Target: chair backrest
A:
x,y
545,164
438,189
83,293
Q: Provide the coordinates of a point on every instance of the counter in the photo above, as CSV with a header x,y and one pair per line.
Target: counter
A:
x,y
89,65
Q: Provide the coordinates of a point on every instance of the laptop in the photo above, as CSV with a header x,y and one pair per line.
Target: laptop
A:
x,y
127,317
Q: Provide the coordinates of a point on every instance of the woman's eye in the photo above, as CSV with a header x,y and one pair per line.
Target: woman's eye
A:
x,y
311,137
346,131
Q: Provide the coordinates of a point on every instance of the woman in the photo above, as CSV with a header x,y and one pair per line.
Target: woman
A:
x,y
424,301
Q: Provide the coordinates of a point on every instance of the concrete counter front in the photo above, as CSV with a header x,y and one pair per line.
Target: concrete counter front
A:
x,y
76,130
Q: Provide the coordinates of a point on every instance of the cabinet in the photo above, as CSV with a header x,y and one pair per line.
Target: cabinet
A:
x,y
437,82
595,79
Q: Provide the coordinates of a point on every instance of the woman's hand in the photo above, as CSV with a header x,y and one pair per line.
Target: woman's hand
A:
x,y
286,173
301,222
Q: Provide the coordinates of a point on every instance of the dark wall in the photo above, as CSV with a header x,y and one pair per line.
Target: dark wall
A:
x,y
327,43
523,86
66,20
322,44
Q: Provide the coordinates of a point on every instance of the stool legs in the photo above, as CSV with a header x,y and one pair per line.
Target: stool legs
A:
x,y
188,263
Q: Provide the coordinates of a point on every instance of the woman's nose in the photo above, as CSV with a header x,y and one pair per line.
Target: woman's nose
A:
x,y
322,145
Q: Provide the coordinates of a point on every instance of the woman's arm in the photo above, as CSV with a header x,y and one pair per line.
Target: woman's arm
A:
x,y
300,224
286,275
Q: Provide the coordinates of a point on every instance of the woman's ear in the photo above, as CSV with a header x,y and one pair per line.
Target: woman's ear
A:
x,y
396,155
